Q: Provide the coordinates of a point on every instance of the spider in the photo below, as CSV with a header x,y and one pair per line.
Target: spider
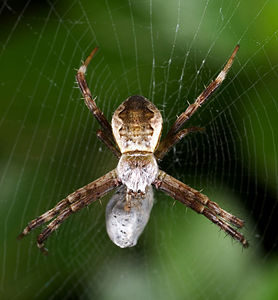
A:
x,y
134,138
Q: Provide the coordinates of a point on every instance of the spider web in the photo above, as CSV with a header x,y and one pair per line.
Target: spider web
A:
x,y
166,51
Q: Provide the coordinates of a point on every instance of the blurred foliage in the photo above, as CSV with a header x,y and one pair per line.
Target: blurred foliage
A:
x,y
49,148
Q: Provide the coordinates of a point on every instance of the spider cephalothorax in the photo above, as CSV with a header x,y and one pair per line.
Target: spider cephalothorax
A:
x,y
137,125
134,138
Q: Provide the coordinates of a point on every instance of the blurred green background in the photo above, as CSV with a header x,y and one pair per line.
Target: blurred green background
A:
x,y
166,51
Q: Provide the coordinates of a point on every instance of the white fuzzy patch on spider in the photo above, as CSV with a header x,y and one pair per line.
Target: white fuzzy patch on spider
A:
x,y
137,171
124,224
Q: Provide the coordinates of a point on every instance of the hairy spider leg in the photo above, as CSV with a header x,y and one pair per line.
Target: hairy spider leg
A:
x,y
73,202
192,108
89,101
201,204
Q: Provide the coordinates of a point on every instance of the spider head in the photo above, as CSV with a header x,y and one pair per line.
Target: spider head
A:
x,y
137,171
137,125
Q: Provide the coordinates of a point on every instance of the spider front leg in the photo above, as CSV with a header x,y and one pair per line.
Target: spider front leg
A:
x,y
89,101
74,202
201,204
192,108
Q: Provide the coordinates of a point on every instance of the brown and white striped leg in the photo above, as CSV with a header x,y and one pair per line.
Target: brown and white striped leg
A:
x,y
201,204
50,214
89,101
98,187
191,109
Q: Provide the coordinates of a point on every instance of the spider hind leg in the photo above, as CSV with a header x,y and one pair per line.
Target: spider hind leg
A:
x,y
200,204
